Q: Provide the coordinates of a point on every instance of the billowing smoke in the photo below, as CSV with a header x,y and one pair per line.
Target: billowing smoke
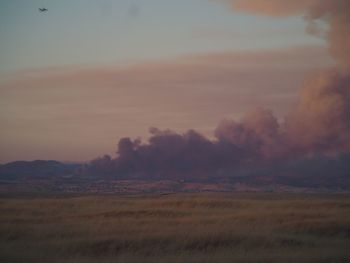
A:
x,y
318,126
321,121
328,18
258,133
168,154
257,149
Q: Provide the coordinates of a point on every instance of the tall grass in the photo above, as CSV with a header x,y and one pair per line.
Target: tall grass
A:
x,y
176,228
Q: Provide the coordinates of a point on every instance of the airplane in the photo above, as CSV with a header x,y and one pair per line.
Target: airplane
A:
x,y
41,10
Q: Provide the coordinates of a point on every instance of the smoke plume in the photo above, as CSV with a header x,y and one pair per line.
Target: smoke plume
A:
x,y
334,13
258,133
318,126
320,122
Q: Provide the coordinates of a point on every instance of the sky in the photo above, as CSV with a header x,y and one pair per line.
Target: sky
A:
x,y
76,79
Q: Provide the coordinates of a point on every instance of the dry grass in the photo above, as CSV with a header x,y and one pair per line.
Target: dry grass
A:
x,y
176,228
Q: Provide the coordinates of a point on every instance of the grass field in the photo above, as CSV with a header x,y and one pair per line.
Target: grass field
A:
x,y
176,228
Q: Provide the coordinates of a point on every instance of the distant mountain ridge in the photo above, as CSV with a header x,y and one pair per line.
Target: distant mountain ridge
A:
x,y
38,169
319,173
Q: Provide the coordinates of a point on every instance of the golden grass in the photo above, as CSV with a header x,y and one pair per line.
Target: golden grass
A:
x,y
176,228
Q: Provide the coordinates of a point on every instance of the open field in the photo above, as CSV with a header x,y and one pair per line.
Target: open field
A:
x,y
176,228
